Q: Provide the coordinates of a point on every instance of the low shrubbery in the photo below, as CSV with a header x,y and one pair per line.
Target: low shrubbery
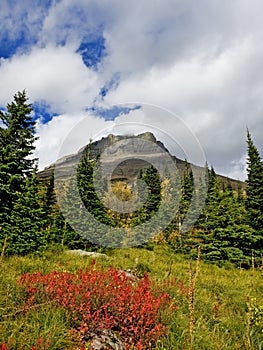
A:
x,y
100,299
56,300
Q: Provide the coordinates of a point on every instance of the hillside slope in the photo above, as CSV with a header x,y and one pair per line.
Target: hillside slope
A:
x,y
128,164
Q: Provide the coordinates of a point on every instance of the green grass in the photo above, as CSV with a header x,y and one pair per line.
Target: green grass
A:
x,y
227,287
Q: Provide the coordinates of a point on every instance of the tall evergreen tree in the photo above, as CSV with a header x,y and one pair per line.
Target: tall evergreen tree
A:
x,y
19,206
254,198
27,220
85,180
152,179
56,228
226,235
221,229
187,192
212,200
82,207
17,145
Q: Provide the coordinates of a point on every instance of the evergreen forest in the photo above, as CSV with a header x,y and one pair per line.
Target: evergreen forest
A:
x,y
229,229
149,296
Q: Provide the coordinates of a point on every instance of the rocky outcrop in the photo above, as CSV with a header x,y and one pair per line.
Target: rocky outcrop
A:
x,y
130,154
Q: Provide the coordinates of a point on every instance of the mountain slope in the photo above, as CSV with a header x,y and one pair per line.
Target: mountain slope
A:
x,y
116,149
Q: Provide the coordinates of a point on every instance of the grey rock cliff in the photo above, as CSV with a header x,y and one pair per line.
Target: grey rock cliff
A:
x,y
124,156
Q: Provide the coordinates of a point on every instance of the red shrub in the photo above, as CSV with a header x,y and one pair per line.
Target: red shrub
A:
x,y
99,299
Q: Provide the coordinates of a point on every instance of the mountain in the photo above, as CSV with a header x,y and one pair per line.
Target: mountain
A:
x,y
124,156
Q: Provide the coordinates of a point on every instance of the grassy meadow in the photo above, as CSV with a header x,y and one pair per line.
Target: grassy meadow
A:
x,y
212,307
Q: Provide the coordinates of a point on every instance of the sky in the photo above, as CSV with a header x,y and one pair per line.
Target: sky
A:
x,y
185,70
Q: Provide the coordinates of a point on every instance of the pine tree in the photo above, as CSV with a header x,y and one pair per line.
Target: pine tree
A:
x,y
254,192
222,230
187,192
76,226
83,207
254,199
17,144
85,180
152,179
56,228
28,232
19,207
212,199
228,237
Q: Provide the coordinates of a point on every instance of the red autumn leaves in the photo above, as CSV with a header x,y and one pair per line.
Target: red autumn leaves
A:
x,y
99,300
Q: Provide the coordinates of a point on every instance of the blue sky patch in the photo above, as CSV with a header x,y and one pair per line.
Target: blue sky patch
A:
x,y
92,51
8,48
112,84
113,112
21,34
42,110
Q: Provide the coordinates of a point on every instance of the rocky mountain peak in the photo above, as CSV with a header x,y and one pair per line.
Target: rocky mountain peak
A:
x,y
129,153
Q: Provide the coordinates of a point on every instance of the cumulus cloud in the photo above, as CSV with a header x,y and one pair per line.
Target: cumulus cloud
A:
x,y
216,98
55,74
20,25
77,130
66,134
201,62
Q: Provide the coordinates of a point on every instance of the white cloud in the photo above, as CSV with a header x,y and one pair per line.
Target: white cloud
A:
x,y
66,134
55,74
202,62
18,18
217,98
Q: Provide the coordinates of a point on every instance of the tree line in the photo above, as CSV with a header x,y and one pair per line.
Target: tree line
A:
x,y
229,228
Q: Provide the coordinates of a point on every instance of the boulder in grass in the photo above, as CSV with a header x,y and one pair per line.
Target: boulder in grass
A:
x,y
106,340
81,252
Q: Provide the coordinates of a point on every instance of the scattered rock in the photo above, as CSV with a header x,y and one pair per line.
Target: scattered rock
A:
x,y
84,253
106,339
129,273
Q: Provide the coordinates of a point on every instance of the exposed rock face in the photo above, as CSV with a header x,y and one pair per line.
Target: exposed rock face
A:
x,y
124,157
